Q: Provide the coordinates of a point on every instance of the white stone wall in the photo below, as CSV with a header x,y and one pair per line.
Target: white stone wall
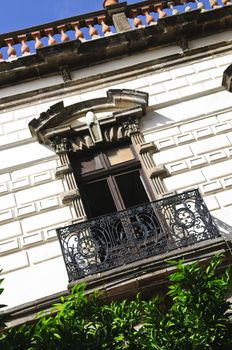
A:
x,y
30,210
189,120
198,154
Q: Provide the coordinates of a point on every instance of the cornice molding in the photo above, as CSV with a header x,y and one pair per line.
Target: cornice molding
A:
x,y
115,76
76,54
59,126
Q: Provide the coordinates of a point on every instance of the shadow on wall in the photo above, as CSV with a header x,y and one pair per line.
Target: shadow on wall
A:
x,y
153,119
196,107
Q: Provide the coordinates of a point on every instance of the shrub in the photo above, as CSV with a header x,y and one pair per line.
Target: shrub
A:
x,y
198,318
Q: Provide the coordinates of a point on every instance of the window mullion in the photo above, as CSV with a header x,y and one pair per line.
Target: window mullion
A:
x,y
115,193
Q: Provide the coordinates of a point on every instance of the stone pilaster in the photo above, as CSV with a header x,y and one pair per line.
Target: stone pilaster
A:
x,y
72,196
154,174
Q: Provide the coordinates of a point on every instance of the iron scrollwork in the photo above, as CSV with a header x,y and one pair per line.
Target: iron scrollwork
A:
x,y
136,233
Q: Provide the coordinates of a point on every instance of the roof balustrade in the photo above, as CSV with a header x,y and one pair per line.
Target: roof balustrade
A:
x,y
95,25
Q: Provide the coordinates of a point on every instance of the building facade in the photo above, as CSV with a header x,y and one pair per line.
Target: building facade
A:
x,y
100,113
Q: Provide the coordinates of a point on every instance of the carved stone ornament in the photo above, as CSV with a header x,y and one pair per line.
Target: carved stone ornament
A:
x,y
86,141
65,73
60,128
94,127
131,126
61,145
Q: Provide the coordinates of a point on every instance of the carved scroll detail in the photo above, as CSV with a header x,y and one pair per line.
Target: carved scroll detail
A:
x,y
78,143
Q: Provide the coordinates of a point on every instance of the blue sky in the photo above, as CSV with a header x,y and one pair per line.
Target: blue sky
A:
x,y
18,14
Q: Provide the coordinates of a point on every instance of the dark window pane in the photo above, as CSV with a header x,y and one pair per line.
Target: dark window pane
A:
x,y
91,164
98,198
131,189
86,165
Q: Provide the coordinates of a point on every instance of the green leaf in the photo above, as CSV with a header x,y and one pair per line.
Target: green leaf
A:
x,y
196,319
177,276
57,336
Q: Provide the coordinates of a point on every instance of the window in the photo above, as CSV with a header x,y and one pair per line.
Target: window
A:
x,y
110,180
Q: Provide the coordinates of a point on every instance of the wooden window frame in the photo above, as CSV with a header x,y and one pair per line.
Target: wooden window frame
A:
x,y
110,172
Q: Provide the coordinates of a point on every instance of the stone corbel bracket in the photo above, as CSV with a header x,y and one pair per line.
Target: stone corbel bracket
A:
x,y
62,170
65,73
156,174
148,147
158,171
69,196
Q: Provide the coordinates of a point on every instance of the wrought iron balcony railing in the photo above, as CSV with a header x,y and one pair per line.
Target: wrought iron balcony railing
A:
x,y
136,233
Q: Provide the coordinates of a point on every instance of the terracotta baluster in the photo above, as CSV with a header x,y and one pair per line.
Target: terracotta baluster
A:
x,y
49,33
200,5
158,9
38,42
62,30
214,4
109,2
11,50
105,28
149,18
92,30
137,21
171,6
78,33
24,48
186,7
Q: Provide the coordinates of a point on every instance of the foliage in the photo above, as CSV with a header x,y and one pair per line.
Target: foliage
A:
x,y
199,315
198,318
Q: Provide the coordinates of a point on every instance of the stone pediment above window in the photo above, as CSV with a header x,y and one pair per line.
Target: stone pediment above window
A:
x,y
83,125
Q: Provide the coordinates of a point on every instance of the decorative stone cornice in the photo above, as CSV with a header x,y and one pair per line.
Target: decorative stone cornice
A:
x,y
83,140
49,55
60,128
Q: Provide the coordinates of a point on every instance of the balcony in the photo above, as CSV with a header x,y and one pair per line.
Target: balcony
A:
x,y
135,234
